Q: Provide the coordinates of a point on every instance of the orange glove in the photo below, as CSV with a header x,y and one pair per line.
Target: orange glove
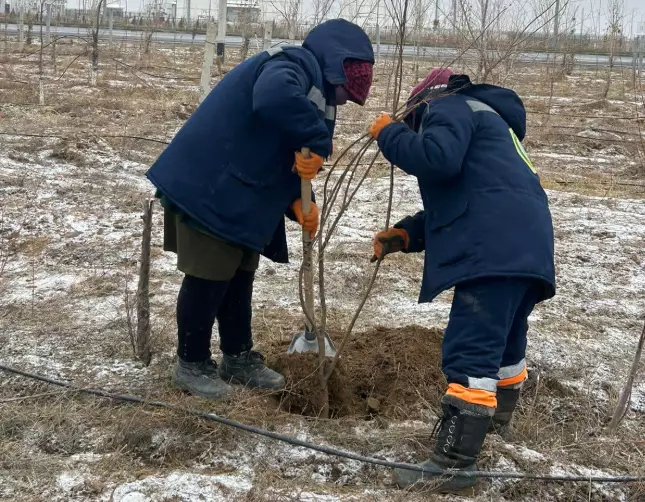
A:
x,y
307,221
379,124
390,241
308,168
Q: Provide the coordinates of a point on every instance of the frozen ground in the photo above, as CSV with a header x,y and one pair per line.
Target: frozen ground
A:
x,y
64,317
69,243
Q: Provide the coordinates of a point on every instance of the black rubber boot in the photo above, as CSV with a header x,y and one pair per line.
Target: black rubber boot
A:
x,y
459,441
248,369
507,398
200,379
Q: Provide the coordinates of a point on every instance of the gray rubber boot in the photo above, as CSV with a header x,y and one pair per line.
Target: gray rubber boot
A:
x,y
200,379
459,441
507,398
248,369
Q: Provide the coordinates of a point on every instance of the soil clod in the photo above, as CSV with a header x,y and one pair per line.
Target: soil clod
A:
x,y
390,372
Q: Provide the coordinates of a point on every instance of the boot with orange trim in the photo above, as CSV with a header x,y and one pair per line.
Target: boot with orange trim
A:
x,y
509,388
507,399
460,437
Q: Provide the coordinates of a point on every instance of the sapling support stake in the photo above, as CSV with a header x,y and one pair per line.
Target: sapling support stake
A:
x,y
623,401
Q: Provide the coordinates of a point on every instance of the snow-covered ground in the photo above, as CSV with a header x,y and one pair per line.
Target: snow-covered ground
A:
x,y
79,244
70,230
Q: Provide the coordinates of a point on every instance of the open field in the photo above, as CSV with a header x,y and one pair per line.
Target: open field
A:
x,y
71,186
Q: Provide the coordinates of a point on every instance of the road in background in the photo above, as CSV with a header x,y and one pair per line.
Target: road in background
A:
x,y
168,37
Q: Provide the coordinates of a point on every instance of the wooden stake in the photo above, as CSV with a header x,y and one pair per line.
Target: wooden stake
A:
x,y
625,395
144,352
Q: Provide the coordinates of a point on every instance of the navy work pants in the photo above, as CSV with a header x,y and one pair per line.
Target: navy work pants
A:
x,y
485,341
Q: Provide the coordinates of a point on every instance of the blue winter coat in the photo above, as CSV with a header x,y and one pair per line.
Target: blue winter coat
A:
x,y
229,168
485,212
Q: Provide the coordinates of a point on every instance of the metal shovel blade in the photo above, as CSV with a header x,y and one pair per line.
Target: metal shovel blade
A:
x,y
306,342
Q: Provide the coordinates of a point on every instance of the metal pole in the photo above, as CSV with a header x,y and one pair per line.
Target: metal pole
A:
x,y
188,11
454,16
6,24
111,21
268,35
635,59
556,25
48,25
378,32
209,50
221,29
21,28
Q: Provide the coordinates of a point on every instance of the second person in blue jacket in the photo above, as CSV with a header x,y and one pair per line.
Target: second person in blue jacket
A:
x,y
486,229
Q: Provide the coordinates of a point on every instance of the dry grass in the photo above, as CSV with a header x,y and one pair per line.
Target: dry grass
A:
x,y
85,327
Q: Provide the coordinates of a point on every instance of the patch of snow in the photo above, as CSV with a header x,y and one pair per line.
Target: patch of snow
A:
x,y
67,481
525,453
184,487
638,398
611,491
87,458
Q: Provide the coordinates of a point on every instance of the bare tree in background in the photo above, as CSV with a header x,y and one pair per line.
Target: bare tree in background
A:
x,y
498,49
153,8
567,38
248,24
95,42
544,13
41,83
356,11
290,13
615,16
421,9
321,9
399,12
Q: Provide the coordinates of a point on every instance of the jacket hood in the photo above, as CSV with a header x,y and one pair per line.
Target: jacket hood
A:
x,y
504,101
334,41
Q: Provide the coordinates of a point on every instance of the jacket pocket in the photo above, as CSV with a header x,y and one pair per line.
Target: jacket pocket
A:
x,y
443,215
449,238
249,181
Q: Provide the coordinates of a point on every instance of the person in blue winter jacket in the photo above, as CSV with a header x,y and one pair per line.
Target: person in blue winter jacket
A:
x,y
486,230
227,180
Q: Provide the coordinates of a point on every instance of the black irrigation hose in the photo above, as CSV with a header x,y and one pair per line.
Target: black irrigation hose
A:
x,y
321,448
56,136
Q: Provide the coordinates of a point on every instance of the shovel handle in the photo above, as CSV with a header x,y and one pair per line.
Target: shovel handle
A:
x,y
307,253
305,193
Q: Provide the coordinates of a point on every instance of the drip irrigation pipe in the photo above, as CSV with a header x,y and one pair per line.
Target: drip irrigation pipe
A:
x,y
321,448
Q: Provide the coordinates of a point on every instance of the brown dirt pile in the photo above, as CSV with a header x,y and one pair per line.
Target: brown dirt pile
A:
x,y
395,373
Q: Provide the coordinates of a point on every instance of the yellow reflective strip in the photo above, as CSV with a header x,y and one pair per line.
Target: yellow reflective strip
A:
x,y
521,152
519,147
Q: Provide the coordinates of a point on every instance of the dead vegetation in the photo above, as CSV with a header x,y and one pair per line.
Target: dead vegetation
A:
x,y
70,235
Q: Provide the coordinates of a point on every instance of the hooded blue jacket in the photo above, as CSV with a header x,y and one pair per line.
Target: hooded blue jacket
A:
x,y
485,212
229,168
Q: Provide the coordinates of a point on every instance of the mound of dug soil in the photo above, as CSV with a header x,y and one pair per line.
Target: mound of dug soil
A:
x,y
395,373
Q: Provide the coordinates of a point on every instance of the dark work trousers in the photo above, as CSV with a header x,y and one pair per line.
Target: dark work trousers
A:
x,y
486,334
201,301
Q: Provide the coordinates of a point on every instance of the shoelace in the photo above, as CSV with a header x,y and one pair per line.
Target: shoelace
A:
x,y
252,356
437,426
255,356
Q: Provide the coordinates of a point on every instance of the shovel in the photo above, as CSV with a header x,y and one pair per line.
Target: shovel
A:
x,y
307,340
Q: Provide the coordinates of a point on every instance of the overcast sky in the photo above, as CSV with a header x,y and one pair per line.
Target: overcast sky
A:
x,y
595,15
